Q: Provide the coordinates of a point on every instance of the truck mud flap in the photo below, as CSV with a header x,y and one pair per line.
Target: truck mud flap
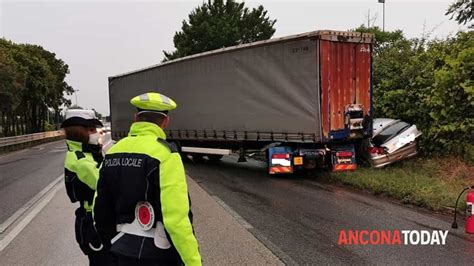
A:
x,y
343,158
280,160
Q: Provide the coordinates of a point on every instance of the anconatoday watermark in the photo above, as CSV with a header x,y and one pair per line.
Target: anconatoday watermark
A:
x,y
392,237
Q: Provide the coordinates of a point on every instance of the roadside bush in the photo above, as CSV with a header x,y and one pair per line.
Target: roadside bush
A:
x,y
430,84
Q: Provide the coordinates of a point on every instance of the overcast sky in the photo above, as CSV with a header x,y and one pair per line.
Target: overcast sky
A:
x,y
98,39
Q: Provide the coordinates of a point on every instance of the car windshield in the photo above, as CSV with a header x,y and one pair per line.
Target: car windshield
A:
x,y
389,133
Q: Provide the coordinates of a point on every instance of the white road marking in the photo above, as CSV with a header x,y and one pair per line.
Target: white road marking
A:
x,y
4,226
36,204
239,218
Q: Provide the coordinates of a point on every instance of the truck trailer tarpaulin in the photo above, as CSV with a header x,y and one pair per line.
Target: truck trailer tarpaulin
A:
x,y
313,87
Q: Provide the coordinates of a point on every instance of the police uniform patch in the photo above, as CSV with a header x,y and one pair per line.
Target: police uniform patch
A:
x,y
145,215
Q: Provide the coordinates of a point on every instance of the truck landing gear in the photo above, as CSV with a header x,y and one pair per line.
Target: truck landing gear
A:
x,y
242,158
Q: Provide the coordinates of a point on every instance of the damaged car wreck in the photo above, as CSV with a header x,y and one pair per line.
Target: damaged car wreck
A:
x,y
392,141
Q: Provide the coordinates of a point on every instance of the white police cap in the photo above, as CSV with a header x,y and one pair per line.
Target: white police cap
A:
x,y
81,117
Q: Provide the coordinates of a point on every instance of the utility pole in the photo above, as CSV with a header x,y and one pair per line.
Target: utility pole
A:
x,y
75,93
368,19
383,19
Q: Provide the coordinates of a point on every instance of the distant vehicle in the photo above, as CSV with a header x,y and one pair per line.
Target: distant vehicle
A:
x,y
392,140
305,100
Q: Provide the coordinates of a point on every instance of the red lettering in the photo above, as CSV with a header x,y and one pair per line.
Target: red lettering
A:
x,y
342,238
386,235
354,237
375,241
362,233
396,238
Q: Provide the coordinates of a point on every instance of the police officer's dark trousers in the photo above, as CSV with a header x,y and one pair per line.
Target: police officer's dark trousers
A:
x,y
89,241
126,261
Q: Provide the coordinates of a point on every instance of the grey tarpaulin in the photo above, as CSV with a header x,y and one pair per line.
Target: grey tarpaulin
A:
x,y
265,88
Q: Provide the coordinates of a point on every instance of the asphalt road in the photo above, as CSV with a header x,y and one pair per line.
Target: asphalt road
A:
x,y
25,173
300,218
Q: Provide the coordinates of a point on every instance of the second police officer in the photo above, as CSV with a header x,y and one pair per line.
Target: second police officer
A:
x,y
142,204
81,172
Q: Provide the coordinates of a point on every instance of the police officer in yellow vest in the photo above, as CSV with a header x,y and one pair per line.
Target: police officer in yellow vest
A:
x,y
81,172
142,203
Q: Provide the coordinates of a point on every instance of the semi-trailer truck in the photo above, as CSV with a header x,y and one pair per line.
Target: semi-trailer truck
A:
x,y
305,100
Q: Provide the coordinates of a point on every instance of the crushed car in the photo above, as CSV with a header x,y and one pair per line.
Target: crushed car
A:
x,y
392,140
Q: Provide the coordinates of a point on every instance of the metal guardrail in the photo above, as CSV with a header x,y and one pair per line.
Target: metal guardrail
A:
x,y
9,141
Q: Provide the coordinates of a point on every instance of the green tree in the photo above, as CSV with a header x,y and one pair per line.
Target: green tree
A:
x,y
462,11
57,85
451,102
32,82
217,24
11,81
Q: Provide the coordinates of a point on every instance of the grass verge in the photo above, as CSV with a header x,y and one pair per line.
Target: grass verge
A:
x,y
431,183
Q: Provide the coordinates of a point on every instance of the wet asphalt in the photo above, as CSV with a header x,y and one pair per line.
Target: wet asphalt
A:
x,y
300,217
25,173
